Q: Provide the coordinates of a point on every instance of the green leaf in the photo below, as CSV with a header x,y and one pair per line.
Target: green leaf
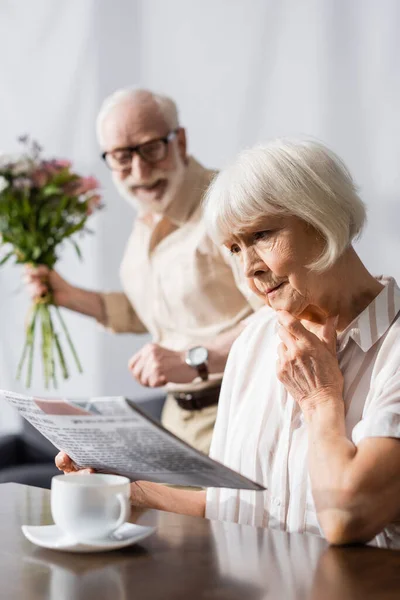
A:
x,y
77,249
51,190
64,176
6,257
43,220
36,252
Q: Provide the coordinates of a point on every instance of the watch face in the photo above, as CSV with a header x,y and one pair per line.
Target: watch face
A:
x,y
198,355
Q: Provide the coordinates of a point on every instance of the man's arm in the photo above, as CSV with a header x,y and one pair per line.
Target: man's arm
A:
x,y
219,348
41,281
118,315
155,366
113,310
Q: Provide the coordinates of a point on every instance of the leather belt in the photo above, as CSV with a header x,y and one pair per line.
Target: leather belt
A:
x,y
199,399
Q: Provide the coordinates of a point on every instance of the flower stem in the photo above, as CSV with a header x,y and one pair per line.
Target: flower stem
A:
x,y
53,348
71,345
50,344
31,343
45,345
61,357
22,359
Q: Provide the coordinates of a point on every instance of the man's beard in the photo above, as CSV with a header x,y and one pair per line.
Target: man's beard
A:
x,y
174,182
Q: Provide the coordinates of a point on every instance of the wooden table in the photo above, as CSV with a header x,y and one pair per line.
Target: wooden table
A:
x,y
186,559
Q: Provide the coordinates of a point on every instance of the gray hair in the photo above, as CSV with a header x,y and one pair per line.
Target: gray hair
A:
x,y
289,177
166,105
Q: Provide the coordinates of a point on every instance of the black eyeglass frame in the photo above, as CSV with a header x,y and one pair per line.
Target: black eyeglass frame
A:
x,y
132,149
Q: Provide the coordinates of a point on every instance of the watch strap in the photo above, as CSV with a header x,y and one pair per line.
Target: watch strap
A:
x,y
203,371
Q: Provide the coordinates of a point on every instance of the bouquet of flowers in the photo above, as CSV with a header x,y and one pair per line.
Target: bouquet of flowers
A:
x,y
43,203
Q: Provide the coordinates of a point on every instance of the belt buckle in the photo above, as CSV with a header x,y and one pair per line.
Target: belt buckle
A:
x,y
189,400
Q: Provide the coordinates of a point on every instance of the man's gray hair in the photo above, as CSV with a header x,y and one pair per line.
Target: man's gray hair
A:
x,y
167,106
293,177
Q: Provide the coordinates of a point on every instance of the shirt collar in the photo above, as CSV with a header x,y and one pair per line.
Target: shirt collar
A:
x,y
375,320
195,183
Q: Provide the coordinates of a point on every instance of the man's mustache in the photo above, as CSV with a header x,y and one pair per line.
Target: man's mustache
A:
x,y
132,184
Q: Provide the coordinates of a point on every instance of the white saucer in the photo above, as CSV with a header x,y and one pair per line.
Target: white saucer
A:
x,y
51,536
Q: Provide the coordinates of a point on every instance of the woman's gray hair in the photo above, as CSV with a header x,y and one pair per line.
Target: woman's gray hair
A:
x,y
289,177
166,105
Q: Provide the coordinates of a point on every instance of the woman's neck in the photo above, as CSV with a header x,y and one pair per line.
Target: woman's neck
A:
x,y
346,290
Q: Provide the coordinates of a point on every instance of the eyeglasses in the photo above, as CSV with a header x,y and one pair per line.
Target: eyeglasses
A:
x,y
152,152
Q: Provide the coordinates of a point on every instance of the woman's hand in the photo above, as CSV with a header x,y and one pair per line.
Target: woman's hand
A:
x,y
307,364
145,494
67,466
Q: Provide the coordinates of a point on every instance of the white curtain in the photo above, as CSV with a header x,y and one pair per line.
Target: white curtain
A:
x,y
242,71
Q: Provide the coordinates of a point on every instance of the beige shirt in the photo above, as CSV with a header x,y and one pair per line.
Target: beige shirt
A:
x,y
260,430
178,285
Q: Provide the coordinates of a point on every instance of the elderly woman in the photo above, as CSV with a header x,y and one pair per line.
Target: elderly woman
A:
x,y
310,402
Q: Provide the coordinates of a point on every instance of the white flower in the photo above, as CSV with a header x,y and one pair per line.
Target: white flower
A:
x,y
3,183
7,159
22,167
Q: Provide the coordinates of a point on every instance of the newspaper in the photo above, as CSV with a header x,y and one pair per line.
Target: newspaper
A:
x,y
113,435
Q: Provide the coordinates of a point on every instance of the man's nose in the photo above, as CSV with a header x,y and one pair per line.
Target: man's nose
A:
x,y
140,169
252,263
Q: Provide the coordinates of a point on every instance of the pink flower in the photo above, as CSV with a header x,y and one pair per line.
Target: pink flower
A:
x,y
40,178
81,186
88,184
54,166
62,163
49,167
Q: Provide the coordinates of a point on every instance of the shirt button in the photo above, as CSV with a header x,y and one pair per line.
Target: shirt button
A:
x,y
277,502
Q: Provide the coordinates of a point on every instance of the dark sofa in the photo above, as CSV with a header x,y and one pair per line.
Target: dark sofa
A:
x,y
28,457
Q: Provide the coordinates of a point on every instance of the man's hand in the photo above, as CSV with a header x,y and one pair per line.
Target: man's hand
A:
x,y
40,280
154,366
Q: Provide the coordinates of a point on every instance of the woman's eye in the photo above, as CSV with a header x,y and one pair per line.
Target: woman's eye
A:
x,y
234,249
261,235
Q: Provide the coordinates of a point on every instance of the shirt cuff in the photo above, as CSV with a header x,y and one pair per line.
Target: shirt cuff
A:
x,y
118,314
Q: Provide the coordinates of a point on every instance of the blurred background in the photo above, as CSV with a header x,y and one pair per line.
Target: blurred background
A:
x,y
241,71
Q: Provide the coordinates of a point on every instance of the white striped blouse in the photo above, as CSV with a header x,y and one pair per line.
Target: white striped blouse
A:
x,y
260,430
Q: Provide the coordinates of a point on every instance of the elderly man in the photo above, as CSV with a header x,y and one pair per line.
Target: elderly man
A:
x,y
178,285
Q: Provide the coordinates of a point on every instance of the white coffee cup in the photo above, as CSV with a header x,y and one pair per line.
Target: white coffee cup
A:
x,y
88,507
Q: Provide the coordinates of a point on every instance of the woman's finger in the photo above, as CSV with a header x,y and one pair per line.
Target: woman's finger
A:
x,y
282,353
86,471
287,338
295,327
328,332
64,463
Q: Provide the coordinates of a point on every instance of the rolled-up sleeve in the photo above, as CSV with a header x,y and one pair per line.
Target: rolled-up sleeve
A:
x,y
381,417
119,315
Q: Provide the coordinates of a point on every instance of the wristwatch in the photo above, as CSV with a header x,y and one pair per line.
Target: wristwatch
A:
x,y
197,358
